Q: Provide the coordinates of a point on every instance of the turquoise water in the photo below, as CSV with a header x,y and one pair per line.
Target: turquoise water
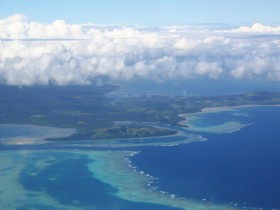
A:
x,y
71,183
35,174
237,167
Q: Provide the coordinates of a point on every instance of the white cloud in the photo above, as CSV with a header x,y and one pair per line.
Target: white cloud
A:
x,y
258,28
61,53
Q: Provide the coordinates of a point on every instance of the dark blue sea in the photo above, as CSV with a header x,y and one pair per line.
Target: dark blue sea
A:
x,y
241,168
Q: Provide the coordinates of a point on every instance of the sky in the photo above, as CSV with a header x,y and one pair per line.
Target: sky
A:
x,y
146,12
78,42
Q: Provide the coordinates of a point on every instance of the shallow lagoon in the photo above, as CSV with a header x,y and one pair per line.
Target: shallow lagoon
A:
x,y
80,180
29,134
141,174
43,175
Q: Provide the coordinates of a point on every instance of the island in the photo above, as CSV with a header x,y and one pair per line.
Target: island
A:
x,y
93,114
117,132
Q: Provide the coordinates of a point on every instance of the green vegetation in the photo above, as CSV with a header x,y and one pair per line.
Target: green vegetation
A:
x,y
115,132
92,113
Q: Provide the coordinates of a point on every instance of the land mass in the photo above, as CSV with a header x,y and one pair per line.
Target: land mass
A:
x,y
93,113
117,132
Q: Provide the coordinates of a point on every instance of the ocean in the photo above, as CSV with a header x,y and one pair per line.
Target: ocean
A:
x,y
236,167
239,168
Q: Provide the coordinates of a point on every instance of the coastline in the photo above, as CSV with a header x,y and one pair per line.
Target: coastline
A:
x,y
226,127
224,108
218,109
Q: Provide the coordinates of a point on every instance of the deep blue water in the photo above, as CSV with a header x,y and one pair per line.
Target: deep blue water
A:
x,y
241,167
74,185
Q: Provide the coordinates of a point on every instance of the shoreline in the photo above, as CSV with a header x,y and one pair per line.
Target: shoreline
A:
x,y
187,122
217,109
221,108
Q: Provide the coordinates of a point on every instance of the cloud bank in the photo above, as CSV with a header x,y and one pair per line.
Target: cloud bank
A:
x,y
59,53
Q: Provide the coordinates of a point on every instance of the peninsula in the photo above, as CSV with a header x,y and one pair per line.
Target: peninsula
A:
x,y
92,113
